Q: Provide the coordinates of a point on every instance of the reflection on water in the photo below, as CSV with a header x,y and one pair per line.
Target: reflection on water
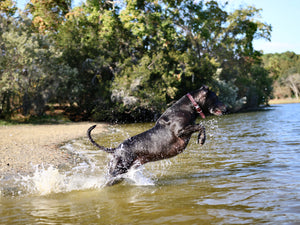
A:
x,y
248,172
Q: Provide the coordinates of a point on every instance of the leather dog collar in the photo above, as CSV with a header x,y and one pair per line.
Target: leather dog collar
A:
x,y
199,110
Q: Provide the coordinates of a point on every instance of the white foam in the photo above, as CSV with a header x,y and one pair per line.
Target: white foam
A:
x,y
49,180
138,177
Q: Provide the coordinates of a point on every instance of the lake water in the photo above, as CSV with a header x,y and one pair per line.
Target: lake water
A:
x,y
248,172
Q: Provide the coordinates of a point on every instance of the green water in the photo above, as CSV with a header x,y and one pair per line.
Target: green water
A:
x,y
248,172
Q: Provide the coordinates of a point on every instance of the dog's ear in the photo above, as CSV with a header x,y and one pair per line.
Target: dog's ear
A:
x,y
202,94
204,87
204,91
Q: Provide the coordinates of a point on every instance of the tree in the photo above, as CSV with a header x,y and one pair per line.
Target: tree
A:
x,y
94,42
154,60
129,59
7,8
293,81
31,69
48,14
285,70
180,45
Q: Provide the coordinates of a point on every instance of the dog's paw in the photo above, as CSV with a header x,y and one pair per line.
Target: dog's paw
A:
x,y
201,138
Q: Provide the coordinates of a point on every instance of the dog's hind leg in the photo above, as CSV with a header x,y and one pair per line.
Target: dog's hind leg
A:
x,y
118,166
116,169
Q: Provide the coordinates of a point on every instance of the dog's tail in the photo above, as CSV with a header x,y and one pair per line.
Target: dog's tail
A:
x,y
108,150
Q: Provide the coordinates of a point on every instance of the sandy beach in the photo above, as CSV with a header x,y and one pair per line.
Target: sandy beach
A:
x,y
23,146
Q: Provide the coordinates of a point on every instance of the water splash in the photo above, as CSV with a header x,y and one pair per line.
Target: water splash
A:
x,y
139,177
89,173
49,180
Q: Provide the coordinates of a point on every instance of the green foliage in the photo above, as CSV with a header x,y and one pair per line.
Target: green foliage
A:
x,y
282,65
47,15
126,60
7,8
32,72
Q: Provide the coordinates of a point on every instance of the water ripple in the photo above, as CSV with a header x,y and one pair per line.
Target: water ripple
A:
x,y
248,172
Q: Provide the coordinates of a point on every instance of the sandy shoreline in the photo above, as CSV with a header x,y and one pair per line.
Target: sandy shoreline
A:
x,y
22,146
283,101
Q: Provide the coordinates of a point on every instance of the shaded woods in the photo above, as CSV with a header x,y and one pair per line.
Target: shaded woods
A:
x,y
127,60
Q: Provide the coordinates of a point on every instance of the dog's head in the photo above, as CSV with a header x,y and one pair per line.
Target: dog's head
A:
x,y
209,101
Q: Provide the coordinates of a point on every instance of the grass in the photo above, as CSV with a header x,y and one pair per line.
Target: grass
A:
x,y
45,119
6,123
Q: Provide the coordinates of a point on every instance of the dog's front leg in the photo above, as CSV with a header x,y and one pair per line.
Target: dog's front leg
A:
x,y
190,129
201,136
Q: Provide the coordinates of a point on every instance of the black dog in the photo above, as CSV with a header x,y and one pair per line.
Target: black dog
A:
x,y
168,137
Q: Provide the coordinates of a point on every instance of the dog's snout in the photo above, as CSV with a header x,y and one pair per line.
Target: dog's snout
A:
x,y
223,108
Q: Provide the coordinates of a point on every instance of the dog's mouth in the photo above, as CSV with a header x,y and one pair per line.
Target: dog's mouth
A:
x,y
217,112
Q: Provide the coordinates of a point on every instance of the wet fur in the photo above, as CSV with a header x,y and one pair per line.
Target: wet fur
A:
x,y
169,137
